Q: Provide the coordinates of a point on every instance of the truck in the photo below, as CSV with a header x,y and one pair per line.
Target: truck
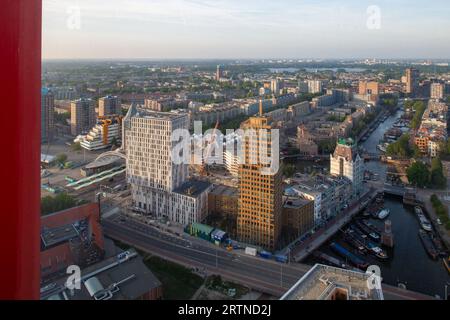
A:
x,y
265,255
250,251
281,258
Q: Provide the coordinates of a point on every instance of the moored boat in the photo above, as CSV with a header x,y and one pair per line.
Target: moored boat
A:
x,y
428,244
383,214
355,260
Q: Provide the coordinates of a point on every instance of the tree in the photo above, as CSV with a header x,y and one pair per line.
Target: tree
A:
x,y
400,148
288,170
438,179
114,142
61,158
60,202
76,146
418,174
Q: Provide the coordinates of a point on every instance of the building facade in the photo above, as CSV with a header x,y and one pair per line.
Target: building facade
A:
x,y
109,105
82,116
412,81
159,184
260,200
47,114
346,162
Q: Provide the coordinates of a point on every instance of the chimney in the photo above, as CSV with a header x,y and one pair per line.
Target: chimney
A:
x,y
260,107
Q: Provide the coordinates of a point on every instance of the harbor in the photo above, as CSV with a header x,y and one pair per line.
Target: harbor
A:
x,y
391,232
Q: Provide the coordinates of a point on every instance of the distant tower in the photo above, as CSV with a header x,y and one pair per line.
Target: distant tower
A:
x,y
412,81
108,105
219,72
387,238
47,114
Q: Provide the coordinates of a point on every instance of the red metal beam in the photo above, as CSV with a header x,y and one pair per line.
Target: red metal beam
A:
x,y
20,82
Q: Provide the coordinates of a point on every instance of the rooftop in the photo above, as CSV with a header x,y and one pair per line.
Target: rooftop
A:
x,y
330,283
295,202
222,190
121,277
193,188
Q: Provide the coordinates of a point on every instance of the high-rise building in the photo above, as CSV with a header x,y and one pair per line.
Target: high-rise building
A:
x,y
108,106
260,200
368,88
314,86
412,81
47,114
219,72
275,86
346,162
159,184
437,91
82,116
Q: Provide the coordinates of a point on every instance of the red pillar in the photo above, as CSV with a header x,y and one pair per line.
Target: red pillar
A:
x,y
20,82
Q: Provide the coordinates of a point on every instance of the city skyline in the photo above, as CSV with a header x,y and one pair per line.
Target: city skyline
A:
x,y
181,29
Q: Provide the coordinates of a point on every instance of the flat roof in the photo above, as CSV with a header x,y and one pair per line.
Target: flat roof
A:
x,y
322,282
193,188
222,190
132,278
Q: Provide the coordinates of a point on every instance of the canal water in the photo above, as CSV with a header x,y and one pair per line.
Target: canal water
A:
x,y
408,262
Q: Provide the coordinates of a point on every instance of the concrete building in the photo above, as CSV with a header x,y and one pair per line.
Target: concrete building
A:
x,y
123,276
219,72
47,114
109,105
275,86
437,91
412,81
329,283
330,194
72,236
297,111
306,144
346,162
260,200
298,217
159,185
315,86
82,116
302,86
107,130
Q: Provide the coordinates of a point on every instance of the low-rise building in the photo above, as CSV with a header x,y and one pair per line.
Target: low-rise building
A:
x,y
298,217
123,276
329,283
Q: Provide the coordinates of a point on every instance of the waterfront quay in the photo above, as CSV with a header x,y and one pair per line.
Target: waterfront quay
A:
x,y
300,252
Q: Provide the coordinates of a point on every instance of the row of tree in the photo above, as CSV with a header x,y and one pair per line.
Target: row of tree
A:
x,y
57,203
420,176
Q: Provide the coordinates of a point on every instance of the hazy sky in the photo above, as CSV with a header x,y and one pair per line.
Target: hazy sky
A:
x,y
246,29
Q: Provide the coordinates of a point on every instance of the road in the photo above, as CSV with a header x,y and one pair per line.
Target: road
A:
x,y
258,274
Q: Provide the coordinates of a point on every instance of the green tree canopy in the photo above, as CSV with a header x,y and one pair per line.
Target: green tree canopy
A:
x,y
418,174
